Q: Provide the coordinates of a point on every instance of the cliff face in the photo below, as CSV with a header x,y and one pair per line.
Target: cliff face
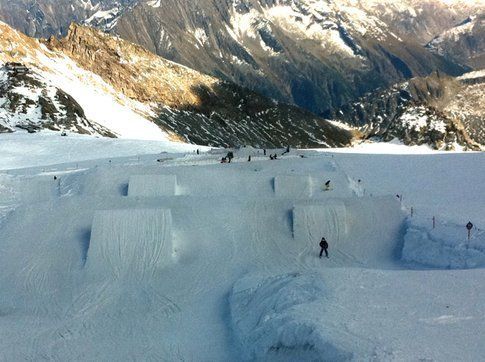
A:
x,y
438,110
464,43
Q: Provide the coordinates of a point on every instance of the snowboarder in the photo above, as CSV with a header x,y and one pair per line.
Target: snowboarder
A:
x,y
271,157
230,156
275,157
223,160
288,149
327,185
324,246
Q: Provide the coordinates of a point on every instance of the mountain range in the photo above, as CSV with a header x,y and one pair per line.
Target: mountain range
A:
x,y
321,56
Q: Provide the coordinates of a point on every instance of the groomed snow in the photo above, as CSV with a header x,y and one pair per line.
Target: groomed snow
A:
x,y
227,269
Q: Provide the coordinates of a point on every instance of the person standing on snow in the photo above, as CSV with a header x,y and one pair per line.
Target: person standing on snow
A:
x,y
324,246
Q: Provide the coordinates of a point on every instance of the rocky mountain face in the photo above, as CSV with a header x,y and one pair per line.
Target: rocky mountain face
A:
x,y
28,102
43,18
316,54
438,110
464,43
184,103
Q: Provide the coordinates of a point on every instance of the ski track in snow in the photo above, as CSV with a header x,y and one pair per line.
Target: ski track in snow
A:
x,y
263,217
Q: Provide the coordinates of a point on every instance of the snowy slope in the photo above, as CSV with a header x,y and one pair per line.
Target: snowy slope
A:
x,y
229,267
101,103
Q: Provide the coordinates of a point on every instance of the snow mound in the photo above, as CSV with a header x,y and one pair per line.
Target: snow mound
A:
x,y
311,222
272,318
152,185
446,246
131,243
299,187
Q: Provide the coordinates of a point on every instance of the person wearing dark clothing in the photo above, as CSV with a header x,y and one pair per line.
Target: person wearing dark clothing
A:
x,y
264,151
324,246
249,158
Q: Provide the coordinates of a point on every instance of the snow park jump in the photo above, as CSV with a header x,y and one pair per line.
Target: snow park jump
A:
x,y
152,185
191,259
130,243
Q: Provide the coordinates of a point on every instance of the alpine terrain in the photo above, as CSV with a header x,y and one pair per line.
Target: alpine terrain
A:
x,y
128,91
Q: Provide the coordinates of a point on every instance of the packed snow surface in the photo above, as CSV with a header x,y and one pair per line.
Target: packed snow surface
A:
x,y
219,262
444,246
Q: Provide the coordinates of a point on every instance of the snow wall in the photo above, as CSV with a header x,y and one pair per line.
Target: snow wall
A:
x,y
277,318
446,246
152,185
37,189
299,187
329,219
365,231
131,243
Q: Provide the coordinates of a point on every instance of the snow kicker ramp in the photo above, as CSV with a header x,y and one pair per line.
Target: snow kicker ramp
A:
x,y
152,185
131,243
362,231
312,186
299,187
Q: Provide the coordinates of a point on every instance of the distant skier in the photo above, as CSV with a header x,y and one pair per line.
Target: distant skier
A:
x,y
324,246
264,151
249,158
198,152
327,185
230,156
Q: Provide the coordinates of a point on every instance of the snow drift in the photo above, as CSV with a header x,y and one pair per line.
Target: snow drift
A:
x,y
446,246
131,243
272,318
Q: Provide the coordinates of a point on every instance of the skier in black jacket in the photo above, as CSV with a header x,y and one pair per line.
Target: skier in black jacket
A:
x,y
324,246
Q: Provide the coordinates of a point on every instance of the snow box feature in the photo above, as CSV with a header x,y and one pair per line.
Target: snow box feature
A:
x,y
152,185
131,243
312,221
299,187
278,318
